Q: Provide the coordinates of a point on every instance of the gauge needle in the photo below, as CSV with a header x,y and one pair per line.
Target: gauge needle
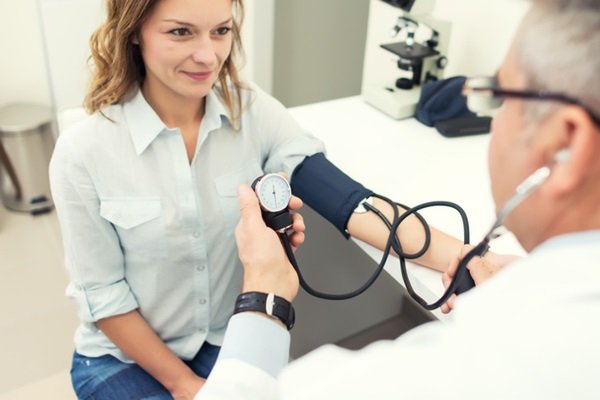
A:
x,y
274,194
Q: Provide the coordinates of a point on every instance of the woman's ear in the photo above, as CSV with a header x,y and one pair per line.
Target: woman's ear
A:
x,y
135,39
572,159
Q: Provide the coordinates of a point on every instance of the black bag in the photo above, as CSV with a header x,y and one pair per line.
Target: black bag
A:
x,y
442,100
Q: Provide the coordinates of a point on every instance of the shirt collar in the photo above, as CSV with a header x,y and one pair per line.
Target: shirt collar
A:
x,y
578,239
145,125
215,109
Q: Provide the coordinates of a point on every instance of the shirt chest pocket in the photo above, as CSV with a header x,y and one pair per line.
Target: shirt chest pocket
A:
x,y
227,185
139,224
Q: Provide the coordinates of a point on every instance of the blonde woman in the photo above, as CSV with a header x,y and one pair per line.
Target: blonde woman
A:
x,y
145,190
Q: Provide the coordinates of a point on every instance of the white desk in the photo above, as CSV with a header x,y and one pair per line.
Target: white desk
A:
x,y
412,164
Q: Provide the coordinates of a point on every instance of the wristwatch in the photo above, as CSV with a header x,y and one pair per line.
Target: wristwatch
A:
x,y
269,304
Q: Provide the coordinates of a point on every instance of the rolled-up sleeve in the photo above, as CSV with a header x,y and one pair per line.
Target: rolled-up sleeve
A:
x,y
93,254
287,143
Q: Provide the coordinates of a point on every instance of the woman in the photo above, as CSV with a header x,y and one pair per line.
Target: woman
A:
x,y
145,190
145,193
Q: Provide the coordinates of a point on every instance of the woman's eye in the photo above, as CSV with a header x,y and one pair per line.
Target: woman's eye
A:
x,y
223,30
180,32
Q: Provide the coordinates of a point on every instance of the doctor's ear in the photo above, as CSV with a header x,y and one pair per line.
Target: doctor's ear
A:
x,y
135,39
572,163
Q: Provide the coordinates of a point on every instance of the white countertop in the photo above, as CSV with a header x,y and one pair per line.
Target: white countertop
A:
x,y
411,164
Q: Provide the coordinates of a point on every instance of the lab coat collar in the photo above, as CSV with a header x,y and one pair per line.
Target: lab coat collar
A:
x,y
145,125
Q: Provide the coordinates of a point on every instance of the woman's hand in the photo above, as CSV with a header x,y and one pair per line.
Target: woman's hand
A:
x,y
187,387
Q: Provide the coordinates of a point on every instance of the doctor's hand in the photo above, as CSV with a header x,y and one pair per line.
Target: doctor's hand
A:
x,y
266,266
480,268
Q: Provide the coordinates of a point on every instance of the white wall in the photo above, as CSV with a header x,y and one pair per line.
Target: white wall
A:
x,y
64,27
481,33
319,49
66,39
258,35
22,66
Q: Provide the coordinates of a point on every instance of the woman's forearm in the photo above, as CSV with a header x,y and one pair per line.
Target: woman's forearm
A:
x,y
132,335
370,229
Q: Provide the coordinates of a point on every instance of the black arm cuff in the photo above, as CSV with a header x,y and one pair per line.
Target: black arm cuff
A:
x,y
327,190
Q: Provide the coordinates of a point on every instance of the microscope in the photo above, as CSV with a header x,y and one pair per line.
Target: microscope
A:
x,y
421,58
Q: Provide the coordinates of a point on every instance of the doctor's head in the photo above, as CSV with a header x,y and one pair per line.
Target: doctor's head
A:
x,y
177,48
553,69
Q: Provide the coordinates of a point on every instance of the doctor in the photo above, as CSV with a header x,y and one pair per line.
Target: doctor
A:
x,y
529,332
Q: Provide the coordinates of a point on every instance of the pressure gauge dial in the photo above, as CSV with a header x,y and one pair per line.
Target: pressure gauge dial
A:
x,y
273,191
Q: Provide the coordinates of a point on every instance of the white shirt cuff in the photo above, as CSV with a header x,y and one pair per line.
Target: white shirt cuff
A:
x,y
258,341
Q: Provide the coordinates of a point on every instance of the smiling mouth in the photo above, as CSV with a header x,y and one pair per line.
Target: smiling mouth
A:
x,y
199,76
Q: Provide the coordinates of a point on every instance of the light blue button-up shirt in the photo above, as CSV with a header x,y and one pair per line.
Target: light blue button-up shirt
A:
x,y
145,229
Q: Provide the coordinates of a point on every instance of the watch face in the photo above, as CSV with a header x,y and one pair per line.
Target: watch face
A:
x,y
273,192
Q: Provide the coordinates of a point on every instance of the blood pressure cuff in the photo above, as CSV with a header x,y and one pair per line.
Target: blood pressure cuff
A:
x,y
327,190
442,100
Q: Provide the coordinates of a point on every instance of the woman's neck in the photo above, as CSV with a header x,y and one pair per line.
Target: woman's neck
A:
x,y
174,110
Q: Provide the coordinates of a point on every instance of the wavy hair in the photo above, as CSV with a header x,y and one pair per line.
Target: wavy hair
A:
x,y
117,62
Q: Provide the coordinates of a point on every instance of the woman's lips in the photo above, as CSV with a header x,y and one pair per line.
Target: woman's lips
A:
x,y
199,76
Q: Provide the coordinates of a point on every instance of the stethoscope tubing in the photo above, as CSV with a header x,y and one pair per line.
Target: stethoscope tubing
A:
x,y
462,280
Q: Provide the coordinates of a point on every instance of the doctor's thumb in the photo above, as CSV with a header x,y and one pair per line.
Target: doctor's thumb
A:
x,y
249,208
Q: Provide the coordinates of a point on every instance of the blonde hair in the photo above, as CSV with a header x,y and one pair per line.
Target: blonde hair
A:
x,y
118,64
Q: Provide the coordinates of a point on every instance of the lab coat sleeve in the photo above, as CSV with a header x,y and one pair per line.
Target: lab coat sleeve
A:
x,y
330,372
403,368
246,369
233,379
255,350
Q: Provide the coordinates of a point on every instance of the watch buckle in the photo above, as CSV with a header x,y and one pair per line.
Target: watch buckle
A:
x,y
270,304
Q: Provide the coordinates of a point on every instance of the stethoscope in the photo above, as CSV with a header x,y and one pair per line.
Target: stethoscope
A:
x,y
274,192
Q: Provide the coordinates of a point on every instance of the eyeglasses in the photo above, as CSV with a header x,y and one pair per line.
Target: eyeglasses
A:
x,y
484,94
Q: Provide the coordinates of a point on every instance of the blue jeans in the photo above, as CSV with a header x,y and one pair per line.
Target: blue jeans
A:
x,y
107,378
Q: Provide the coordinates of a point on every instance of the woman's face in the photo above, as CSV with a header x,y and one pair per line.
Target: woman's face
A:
x,y
184,44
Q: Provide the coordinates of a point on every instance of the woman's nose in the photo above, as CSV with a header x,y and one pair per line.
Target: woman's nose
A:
x,y
204,51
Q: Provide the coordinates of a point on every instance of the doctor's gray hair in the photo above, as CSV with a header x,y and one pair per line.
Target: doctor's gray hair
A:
x,y
559,51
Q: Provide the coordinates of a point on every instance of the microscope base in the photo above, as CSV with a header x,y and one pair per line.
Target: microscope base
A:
x,y
397,103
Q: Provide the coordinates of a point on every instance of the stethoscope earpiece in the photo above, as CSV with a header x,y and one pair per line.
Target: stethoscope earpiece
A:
x,y
562,156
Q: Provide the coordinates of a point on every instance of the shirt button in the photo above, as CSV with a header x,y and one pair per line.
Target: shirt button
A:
x,y
202,301
196,235
200,267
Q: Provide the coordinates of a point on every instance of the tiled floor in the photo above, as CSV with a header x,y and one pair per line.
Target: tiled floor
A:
x,y
37,321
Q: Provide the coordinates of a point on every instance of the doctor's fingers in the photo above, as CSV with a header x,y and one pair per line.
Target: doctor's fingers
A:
x,y
295,203
449,305
296,240
296,234
298,223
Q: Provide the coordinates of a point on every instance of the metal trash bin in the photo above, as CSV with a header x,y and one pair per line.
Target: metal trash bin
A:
x,y
26,145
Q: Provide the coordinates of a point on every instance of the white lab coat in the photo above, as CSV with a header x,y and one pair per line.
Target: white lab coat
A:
x,y
532,332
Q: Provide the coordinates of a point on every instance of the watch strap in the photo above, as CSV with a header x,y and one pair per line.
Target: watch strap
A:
x,y
267,303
